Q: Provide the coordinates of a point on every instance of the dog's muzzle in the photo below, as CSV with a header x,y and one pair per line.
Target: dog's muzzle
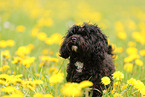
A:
x,y
74,42
74,39
74,48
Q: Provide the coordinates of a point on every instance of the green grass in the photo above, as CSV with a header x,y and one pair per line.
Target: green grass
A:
x,y
64,14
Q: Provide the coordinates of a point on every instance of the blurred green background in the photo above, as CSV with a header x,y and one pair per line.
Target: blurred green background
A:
x,y
64,13
57,16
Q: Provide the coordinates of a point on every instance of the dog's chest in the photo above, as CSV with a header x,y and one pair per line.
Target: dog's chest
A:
x,y
79,66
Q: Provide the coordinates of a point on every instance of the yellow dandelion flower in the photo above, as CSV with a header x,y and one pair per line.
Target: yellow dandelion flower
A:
x,y
131,44
22,51
55,38
85,83
130,58
18,76
122,35
138,37
29,85
11,79
118,50
45,22
42,36
10,89
53,70
42,95
30,47
54,60
139,85
119,26
38,95
48,41
45,52
113,46
28,61
131,81
37,81
4,76
142,91
44,58
47,58
105,80
5,54
139,62
117,95
14,95
16,60
47,95
131,50
32,88
2,82
118,75
4,68
142,52
10,43
41,64
48,22
128,67
115,57
56,78
142,25
34,32
3,44
71,89
20,28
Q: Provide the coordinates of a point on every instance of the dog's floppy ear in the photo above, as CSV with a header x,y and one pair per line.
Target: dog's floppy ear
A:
x,y
100,45
64,52
99,51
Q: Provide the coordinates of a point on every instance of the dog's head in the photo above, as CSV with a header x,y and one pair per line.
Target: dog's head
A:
x,y
86,41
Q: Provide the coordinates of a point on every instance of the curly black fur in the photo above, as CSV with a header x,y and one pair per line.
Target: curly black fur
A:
x,y
87,45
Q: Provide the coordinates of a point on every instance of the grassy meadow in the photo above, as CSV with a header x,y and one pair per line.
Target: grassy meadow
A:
x,y
31,32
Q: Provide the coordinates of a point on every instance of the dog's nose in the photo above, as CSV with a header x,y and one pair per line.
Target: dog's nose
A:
x,y
73,38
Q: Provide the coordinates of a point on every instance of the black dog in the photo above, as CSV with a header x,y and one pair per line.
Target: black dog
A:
x,y
90,56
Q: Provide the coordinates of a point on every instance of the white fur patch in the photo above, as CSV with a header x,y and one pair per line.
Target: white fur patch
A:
x,y
79,66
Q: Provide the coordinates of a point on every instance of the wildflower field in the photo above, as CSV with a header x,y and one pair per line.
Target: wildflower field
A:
x,y
31,32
